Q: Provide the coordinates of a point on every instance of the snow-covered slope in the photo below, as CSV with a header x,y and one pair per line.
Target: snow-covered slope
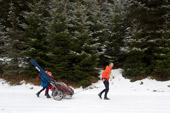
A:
x,y
126,97
120,84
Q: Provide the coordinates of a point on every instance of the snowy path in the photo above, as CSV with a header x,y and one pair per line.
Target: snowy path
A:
x,y
125,97
84,102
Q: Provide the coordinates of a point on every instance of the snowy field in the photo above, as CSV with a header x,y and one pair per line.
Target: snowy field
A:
x,y
126,97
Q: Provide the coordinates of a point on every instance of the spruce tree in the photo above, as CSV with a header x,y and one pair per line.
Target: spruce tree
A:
x,y
84,50
59,41
14,45
3,42
147,35
115,42
102,28
35,27
162,55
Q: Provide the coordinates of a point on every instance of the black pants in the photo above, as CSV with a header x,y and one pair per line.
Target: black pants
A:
x,y
43,90
106,90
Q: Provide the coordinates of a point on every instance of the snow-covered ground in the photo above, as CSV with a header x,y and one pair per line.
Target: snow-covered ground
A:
x,y
126,97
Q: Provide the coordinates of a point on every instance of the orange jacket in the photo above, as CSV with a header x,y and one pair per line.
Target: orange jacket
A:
x,y
106,73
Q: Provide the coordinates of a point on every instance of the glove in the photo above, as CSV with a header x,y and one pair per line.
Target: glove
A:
x,y
111,78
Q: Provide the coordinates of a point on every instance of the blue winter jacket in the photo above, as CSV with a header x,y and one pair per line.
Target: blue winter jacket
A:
x,y
44,82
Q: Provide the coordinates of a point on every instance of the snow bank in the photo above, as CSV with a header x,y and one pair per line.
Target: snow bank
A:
x,y
121,85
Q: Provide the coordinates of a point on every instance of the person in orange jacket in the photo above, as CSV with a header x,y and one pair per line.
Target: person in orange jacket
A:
x,y
105,79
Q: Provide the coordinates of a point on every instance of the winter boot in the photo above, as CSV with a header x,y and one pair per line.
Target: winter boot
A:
x,y
38,94
48,96
106,98
100,95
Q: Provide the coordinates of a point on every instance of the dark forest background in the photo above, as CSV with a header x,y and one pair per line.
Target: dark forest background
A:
x,y
75,38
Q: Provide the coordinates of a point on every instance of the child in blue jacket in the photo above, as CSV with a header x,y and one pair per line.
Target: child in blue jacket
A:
x,y
44,84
